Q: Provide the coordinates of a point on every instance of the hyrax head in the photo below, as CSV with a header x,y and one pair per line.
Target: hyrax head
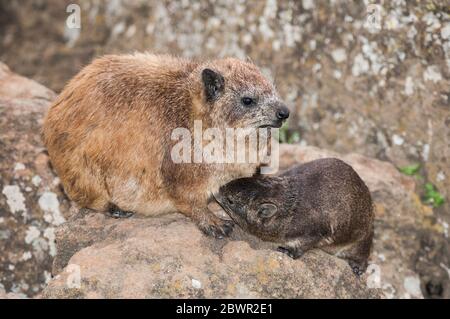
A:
x,y
236,94
256,205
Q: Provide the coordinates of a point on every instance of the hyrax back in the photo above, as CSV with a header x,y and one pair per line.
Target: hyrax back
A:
x,y
108,133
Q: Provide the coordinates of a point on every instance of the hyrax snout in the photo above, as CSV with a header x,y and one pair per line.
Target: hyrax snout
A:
x,y
108,133
323,204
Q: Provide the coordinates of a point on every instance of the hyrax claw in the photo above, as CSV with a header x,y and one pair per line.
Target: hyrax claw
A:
x,y
116,212
294,254
357,268
120,214
219,230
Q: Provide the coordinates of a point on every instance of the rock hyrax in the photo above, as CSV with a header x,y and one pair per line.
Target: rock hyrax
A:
x,y
320,204
108,133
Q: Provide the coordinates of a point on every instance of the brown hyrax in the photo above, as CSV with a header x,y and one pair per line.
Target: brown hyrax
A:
x,y
320,204
108,133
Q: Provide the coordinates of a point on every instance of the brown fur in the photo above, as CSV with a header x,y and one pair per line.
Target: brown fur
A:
x,y
108,133
323,204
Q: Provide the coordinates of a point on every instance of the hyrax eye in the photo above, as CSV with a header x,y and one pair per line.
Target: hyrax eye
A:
x,y
247,101
267,211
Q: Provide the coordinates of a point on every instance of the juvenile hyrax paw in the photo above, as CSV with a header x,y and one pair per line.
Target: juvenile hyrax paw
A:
x,y
357,269
219,228
293,253
120,214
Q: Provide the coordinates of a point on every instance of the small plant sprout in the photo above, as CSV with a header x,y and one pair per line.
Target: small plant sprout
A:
x,y
410,170
287,137
432,196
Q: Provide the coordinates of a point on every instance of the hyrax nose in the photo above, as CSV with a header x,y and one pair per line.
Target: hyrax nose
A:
x,y
282,113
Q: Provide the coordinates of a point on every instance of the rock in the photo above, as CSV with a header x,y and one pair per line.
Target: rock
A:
x,y
11,295
168,257
31,202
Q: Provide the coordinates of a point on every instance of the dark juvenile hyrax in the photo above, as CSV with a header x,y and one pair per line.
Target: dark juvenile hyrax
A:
x,y
320,204
108,133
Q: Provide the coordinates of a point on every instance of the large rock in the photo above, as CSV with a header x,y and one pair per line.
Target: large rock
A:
x,y
168,257
31,202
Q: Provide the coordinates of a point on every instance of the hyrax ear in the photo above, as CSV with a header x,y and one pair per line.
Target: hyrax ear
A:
x,y
267,210
214,84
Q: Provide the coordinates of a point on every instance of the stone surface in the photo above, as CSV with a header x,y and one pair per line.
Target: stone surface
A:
x,y
172,258
168,257
361,77
31,202
11,295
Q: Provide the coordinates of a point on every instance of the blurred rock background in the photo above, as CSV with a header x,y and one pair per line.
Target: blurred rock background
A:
x,y
371,78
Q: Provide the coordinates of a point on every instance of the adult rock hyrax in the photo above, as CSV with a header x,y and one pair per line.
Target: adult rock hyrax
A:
x,y
108,133
320,204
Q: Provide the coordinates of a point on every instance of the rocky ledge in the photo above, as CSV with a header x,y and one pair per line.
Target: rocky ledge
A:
x,y
168,257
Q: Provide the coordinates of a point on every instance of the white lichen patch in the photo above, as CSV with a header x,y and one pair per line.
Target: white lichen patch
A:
x,y
337,74
32,234
36,180
432,74
426,152
196,284
412,286
360,65
409,86
432,22
339,55
14,198
47,276
19,167
308,4
440,176
49,233
49,203
444,226
397,139
445,32
26,256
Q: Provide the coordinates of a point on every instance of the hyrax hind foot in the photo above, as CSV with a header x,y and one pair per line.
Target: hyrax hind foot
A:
x,y
116,212
216,227
296,248
294,254
358,268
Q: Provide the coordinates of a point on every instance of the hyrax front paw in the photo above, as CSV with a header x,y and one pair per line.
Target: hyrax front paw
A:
x,y
116,212
291,252
357,268
217,228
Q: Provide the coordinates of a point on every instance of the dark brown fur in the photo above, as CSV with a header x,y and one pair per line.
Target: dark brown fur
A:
x,y
323,203
108,133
